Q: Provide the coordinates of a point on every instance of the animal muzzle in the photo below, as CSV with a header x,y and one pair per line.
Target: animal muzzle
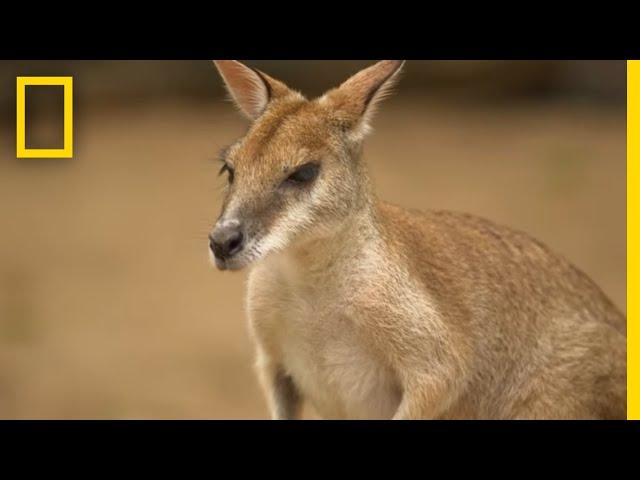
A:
x,y
227,240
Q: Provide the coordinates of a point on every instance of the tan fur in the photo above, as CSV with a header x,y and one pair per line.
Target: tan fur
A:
x,y
368,310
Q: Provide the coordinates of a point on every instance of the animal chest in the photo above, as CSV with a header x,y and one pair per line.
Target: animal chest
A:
x,y
322,349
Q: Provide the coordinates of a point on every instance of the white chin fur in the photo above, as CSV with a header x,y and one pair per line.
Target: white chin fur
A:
x,y
251,254
274,241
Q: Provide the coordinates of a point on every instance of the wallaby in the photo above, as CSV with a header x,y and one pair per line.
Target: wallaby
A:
x,y
367,310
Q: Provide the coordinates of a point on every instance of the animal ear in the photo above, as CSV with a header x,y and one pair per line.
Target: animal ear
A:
x,y
250,89
356,100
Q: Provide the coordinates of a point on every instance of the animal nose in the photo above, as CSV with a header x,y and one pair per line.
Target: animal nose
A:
x,y
226,240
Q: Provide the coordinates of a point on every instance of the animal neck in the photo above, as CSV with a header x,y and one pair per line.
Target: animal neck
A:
x,y
340,244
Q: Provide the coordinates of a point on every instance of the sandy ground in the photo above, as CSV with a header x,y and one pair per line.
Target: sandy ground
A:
x,y
109,308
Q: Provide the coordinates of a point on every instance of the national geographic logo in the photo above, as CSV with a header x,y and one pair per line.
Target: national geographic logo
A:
x,y
21,145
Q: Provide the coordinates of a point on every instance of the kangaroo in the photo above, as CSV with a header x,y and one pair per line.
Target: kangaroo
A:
x,y
367,310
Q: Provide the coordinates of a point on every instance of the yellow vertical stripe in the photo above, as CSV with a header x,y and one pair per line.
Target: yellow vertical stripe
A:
x,y
20,117
68,117
633,239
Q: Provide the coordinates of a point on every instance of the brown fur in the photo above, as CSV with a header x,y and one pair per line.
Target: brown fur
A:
x,y
368,310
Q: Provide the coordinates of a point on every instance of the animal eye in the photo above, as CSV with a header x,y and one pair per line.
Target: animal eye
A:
x,y
304,174
229,170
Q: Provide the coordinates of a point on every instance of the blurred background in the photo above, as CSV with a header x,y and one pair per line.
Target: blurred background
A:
x,y
108,305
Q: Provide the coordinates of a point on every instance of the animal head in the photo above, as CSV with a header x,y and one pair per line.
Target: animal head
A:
x,y
297,173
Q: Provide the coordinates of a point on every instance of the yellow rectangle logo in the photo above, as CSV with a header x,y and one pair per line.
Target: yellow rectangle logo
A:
x,y
21,149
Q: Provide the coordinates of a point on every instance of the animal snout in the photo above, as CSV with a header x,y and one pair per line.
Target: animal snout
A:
x,y
226,240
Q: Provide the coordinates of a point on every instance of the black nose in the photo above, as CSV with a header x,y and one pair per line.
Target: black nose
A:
x,y
226,241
